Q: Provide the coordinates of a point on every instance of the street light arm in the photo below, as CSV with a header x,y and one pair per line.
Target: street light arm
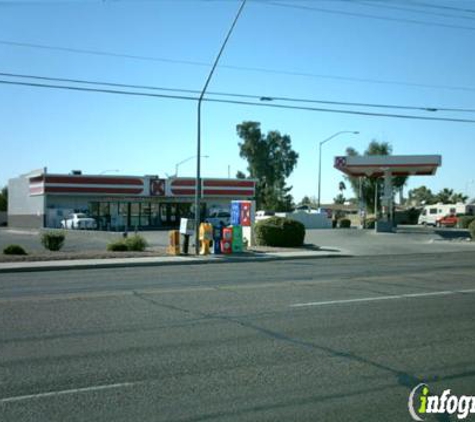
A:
x,y
185,160
354,132
336,134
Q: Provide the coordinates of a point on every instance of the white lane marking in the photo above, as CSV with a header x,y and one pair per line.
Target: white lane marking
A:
x,y
376,298
71,391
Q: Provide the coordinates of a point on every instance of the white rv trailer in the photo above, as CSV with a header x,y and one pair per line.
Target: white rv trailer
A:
x,y
432,213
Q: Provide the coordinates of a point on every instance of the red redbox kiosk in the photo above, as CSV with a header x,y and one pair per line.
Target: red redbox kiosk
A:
x,y
227,241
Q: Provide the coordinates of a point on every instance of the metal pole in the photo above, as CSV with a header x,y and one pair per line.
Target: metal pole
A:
x,y
319,174
376,199
198,140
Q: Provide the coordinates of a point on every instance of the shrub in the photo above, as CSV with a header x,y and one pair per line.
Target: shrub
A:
x,y
53,241
471,227
465,220
136,243
410,216
279,231
370,223
117,246
14,250
344,223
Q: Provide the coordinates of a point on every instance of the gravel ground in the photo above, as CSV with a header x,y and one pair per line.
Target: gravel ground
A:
x,y
151,252
100,254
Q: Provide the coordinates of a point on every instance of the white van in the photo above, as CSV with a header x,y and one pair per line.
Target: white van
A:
x,y
432,213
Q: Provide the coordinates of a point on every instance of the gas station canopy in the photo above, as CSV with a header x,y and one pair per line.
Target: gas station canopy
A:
x,y
396,165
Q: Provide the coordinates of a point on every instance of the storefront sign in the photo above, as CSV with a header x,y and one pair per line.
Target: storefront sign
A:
x,y
157,187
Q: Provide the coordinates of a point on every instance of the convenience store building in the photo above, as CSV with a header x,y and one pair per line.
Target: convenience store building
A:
x,y
41,199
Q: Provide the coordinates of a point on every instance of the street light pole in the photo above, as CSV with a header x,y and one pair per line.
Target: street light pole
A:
x,y
198,138
320,159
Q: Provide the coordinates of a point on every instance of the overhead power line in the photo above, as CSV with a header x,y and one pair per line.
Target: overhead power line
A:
x,y
439,6
101,53
365,15
236,102
236,95
380,5
231,67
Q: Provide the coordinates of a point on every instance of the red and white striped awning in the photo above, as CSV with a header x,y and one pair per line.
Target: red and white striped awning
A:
x,y
85,185
131,186
397,165
229,188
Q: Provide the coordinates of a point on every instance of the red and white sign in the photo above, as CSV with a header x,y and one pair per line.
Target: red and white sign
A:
x,y
246,213
157,187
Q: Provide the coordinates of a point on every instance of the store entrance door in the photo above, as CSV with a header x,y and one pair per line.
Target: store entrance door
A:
x,y
168,215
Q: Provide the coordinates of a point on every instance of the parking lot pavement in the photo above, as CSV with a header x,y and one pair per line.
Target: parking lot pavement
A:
x,y
407,240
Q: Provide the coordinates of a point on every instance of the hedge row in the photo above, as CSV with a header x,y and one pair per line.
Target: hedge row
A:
x,y
279,231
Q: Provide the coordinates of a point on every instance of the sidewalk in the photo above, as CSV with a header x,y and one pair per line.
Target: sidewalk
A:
x,y
76,264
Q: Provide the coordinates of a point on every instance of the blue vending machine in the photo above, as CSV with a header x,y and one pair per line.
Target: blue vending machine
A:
x,y
235,213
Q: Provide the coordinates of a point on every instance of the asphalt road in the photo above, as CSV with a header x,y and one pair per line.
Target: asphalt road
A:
x,y
310,340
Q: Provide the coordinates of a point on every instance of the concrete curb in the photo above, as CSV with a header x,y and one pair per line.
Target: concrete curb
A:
x,y
16,267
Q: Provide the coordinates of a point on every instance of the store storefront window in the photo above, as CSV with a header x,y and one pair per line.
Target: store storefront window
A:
x,y
155,215
121,215
145,214
134,215
94,209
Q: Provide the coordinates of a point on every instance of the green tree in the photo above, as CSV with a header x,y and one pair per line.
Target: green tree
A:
x,y
4,199
339,199
421,196
270,160
369,185
310,201
459,197
444,196
424,196
448,196
240,175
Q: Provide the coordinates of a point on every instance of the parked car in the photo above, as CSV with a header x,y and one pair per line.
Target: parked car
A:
x,y
78,220
447,221
219,218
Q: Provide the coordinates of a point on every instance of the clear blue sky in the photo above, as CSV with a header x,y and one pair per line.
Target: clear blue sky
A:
x,y
419,54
